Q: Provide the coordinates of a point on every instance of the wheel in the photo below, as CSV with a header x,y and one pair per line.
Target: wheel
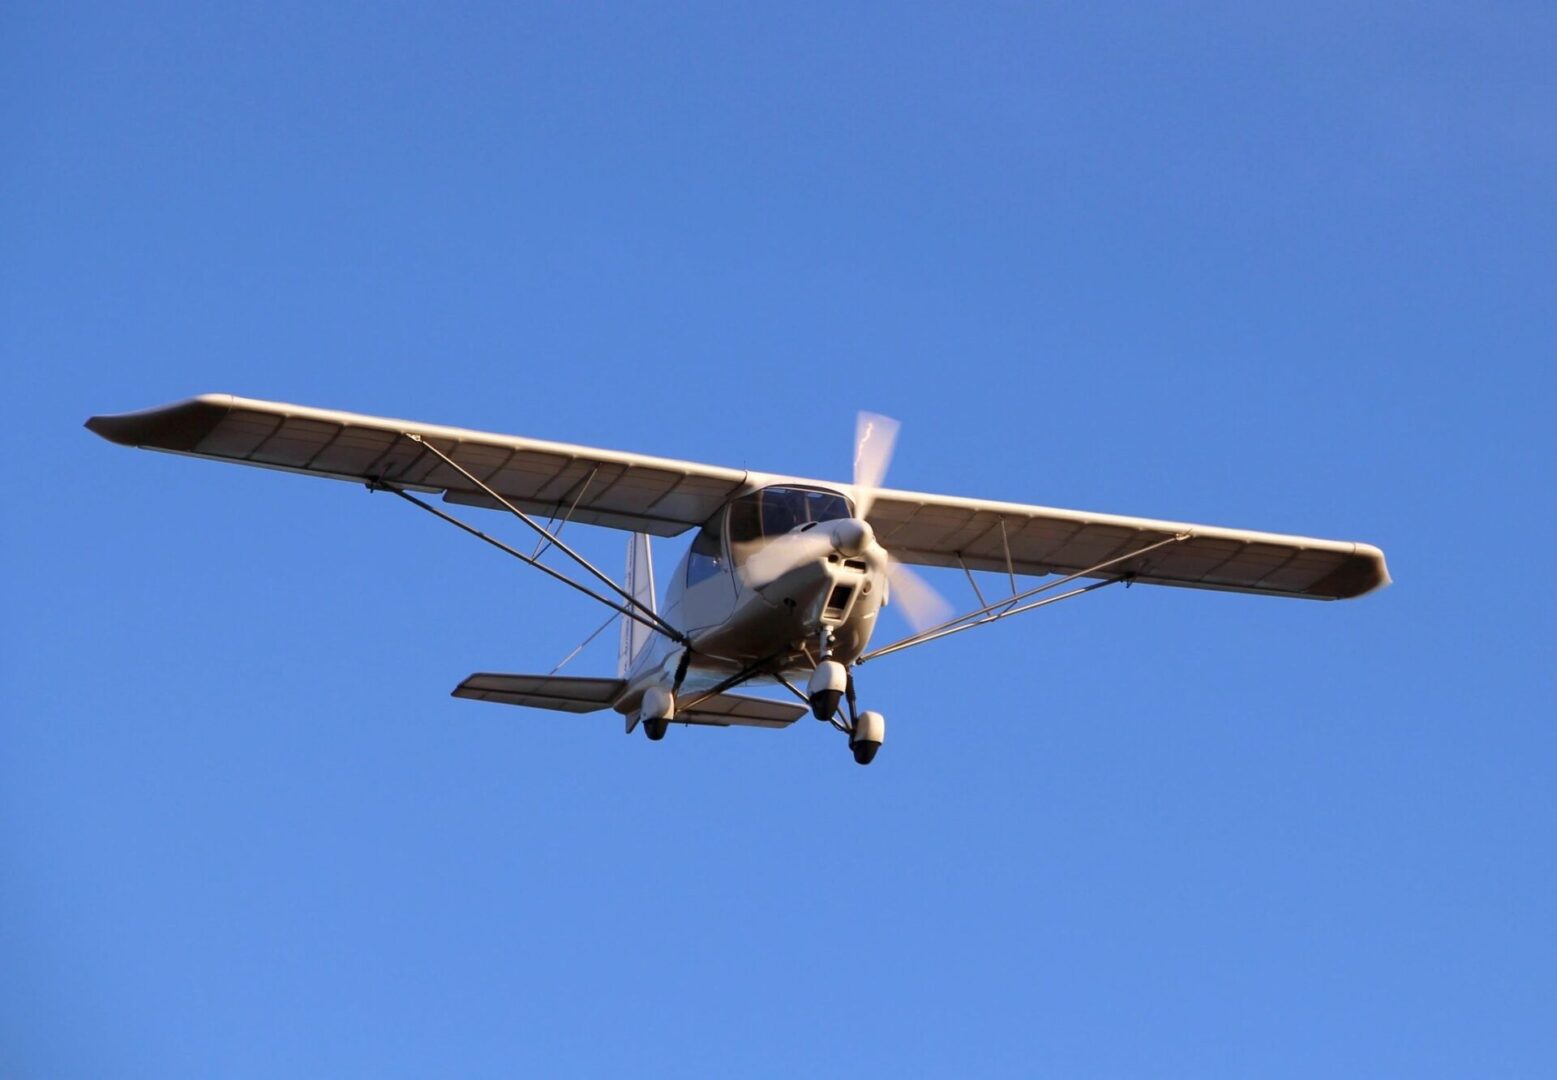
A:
x,y
656,709
870,731
826,689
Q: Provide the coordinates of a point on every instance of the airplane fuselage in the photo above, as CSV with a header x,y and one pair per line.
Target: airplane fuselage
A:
x,y
766,579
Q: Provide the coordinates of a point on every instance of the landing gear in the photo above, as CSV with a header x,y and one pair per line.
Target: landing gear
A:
x,y
832,685
870,729
656,711
867,730
825,691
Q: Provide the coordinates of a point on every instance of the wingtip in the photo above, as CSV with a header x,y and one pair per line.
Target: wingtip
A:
x,y
1361,572
109,427
1375,577
1383,579
179,426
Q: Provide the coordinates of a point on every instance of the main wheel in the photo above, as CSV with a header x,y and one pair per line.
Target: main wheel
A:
x,y
656,709
870,731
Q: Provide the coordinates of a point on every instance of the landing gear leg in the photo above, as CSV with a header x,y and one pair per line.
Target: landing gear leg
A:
x,y
831,686
867,730
826,688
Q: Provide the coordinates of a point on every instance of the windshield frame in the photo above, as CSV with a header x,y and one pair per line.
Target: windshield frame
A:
x,y
777,510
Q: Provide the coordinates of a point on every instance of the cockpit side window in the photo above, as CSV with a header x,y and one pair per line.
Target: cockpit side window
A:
x,y
746,519
706,558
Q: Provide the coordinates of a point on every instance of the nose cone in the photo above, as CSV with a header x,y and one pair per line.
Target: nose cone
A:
x,y
851,536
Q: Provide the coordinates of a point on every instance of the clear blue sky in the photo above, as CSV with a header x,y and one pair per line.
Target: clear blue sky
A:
x,y
1290,270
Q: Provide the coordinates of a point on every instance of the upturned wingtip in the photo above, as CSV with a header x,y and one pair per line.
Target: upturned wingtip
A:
x,y
105,427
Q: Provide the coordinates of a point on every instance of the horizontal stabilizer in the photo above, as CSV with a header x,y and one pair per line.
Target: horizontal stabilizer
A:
x,y
725,710
581,695
564,693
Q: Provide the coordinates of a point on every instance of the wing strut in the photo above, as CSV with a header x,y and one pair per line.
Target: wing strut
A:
x,y
646,612
652,621
746,674
1005,608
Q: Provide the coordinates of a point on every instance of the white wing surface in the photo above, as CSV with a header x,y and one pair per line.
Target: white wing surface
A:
x,y
939,530
665,497
603,487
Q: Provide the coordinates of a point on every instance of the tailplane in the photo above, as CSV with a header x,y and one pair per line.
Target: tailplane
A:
x,y
569,693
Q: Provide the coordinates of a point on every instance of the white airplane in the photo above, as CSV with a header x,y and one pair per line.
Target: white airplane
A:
x,y
785,578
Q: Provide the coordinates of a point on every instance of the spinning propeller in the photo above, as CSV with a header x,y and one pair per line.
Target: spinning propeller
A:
x,y
874,438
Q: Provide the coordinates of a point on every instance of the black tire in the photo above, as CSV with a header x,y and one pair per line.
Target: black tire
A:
x,y
655,729
864,752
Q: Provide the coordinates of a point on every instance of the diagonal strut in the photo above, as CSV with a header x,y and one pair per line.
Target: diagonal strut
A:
x,y
658,625
989,613
654,619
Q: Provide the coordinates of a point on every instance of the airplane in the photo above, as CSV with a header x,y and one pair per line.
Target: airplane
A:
x,y
784,578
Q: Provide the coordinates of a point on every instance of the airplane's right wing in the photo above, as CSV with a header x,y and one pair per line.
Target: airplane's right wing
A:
x,y
597,487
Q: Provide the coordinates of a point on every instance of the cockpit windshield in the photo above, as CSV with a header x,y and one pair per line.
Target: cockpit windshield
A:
x,y
775,511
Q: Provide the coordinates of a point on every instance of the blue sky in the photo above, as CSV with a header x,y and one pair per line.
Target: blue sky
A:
x,y
1283,269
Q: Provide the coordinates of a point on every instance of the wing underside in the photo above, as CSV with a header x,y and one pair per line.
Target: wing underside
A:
x,y
937,530
666,497
596,487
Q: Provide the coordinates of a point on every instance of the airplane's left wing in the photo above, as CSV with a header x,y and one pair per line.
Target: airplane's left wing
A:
x,y
596,487
976,534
